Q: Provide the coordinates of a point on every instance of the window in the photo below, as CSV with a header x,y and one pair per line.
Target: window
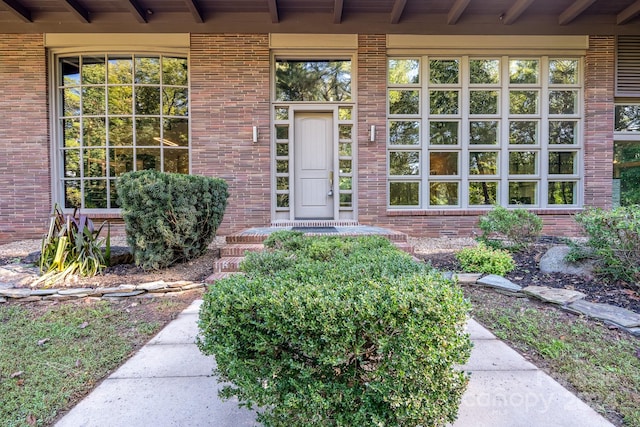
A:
x,y
316,80
469,131
626,155
118,113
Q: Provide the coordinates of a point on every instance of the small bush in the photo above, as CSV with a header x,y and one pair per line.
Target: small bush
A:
x,y
168,217
287,240
338,343
72,246
484,259
613,240
513,229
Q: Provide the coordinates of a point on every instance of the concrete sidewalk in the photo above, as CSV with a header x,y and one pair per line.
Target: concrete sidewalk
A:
x,y
169,383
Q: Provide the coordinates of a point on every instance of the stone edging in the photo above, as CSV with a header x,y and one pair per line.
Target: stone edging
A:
x,y
143,290
572,301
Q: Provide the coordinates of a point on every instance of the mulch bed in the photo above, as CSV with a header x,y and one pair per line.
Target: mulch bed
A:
x,y
597,289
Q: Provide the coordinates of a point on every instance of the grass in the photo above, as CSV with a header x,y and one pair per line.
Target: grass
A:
x,y
599,364
51,356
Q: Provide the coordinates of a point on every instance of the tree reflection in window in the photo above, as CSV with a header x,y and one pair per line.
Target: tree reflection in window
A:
x,y
120,112
319,81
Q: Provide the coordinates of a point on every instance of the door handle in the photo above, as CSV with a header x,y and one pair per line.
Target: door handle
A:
x,y
330,193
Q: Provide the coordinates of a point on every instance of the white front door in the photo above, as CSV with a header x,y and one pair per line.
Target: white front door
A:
x,y
313,165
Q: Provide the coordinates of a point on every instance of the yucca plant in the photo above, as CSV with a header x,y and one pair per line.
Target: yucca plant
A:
x,y
72,246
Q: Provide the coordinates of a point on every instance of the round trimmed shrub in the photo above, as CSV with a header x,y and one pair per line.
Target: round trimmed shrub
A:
x,y
484,259
335,344
170,217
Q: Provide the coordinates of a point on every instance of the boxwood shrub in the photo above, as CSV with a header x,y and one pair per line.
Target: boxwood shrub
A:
x,y
169,217
366,338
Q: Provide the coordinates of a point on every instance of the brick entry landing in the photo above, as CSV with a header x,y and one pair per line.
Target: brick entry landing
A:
x,y
250,240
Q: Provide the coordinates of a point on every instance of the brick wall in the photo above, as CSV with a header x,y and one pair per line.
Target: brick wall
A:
x,y
230,95
25,189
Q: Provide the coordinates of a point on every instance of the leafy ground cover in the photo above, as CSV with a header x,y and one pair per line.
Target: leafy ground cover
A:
x,y
51,356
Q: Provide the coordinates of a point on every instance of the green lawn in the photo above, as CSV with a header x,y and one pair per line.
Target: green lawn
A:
x,y
51,356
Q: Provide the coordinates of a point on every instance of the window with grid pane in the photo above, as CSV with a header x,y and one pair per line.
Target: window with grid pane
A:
x,y
118,113
475,131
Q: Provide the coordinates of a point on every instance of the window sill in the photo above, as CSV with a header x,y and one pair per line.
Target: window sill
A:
x,y
475,212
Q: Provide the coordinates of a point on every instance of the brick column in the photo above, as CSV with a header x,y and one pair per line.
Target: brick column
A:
x,y
372,101
599,121
25,184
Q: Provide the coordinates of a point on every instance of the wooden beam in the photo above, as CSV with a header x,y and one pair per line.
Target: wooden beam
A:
x,y
273,11
78,10
628,14
514,12
18,9
137,11
574,10
195,10
396,12
337,11
456,11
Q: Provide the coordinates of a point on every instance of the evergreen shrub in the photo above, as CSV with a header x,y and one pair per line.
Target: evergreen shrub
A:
x,y
513,229
169,217
368,337
613,240
485,259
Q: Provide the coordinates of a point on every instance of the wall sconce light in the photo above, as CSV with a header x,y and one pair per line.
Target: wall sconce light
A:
x,y
372,133
255,134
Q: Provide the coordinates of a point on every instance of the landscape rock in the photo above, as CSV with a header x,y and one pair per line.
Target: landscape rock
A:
x,y
553,261
467,278
152,286
121,255
17,274
15,293
499,283
3,299
76,291
619,316
554,295
44,292
123,294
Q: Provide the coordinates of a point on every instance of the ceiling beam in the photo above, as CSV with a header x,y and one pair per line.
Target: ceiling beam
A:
x,y
396,11
19,10
514,12
137,11
456,11
195,10
628,14
574,10
337,11
273,11
78,10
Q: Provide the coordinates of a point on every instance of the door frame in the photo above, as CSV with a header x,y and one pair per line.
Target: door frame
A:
x,y
308,108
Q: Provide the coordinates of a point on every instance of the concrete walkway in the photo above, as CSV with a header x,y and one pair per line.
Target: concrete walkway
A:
x,y
169,383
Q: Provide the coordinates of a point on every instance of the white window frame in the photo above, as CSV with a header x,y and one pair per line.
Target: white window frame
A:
x,y
542,148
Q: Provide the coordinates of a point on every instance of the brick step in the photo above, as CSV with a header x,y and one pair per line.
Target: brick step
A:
x,y
246,238
219,276
239,249
405,247
227,264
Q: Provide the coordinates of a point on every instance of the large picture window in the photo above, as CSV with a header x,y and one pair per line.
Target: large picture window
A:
x,y
118,113
626,155
468,131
